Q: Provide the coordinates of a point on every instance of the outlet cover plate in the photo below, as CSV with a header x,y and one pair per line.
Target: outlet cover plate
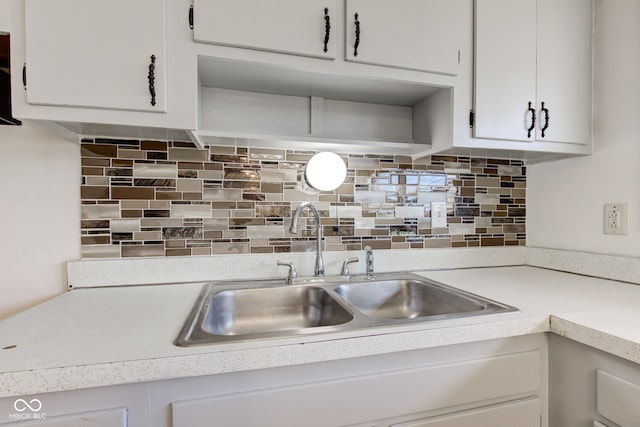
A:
x,y
438,215
616,218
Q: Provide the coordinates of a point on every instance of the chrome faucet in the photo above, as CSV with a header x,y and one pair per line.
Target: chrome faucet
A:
x,y
319,267
369,263
345,267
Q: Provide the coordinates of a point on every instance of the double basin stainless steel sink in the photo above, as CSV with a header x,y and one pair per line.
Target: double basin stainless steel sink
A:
x,y
261,309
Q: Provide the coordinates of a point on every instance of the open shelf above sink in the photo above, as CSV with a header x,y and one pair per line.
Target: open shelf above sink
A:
x,y
267,105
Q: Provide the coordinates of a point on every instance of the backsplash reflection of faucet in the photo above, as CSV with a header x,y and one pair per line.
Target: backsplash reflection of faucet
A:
x,y
369,263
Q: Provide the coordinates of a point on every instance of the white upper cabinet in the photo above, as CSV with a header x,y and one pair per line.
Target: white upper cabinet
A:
x,y
96,54
422,35
505,68
533,78
564,83
260,77
297,27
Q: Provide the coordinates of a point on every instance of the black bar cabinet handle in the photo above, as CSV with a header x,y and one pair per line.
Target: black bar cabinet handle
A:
x,y
152,79
546,119
191,17
327,28
357,43
24,76
533,120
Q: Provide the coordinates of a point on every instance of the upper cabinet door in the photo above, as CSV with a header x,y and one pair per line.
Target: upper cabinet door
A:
x,y
538,52
564,69
419,35
296,27
96,53
505,68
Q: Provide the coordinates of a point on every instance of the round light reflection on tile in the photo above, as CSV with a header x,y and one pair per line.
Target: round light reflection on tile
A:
x,y
325,171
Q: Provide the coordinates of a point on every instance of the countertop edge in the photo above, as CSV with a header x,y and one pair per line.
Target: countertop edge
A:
x,y
595,338
68,378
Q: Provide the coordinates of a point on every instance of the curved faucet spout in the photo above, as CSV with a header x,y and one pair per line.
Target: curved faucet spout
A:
x,y
319,267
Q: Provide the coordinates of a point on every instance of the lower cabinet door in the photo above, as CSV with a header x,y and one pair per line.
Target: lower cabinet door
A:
x,y
378,396
521,413
33,415
617,399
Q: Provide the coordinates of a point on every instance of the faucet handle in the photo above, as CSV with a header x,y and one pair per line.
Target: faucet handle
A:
x,y
345,267
292,270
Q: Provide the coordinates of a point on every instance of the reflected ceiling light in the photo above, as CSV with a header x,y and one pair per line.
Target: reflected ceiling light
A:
x,y
325,171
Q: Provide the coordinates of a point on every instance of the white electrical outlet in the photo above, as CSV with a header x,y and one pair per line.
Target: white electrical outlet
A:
x,y
438,215
615,218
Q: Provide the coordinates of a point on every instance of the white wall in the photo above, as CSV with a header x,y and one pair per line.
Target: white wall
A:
x,y
39,215
565,198
39,211
4,16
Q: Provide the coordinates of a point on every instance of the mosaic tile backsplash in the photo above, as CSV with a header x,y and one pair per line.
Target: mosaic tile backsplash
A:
x,y
156,198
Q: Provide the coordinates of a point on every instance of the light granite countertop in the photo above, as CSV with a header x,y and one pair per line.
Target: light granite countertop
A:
x,y
117,335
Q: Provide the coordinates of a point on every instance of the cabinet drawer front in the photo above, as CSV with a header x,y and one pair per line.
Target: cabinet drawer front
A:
x,y
371,397
521,413
287,26
618,399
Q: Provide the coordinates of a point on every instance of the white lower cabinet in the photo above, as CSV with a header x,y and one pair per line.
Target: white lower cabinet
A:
x,y
378,395
116,417
496,383
116,406
617,399
589,387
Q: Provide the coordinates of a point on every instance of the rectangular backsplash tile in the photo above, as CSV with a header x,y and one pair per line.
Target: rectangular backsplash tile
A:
x,y
157,198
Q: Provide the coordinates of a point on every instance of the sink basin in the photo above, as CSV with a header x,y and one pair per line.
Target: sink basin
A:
x,y
253,311
409,299
237,311
247,311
